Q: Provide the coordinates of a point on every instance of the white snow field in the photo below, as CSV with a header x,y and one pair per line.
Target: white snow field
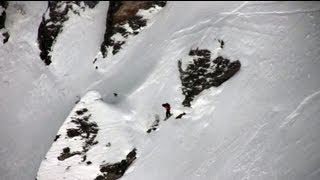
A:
x,y
262,123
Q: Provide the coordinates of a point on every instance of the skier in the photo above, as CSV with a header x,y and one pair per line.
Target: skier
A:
x,y
167,107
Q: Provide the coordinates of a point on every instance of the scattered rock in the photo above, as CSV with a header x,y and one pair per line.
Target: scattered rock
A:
x,y
116,170
86,130
89,162
204,73
108,145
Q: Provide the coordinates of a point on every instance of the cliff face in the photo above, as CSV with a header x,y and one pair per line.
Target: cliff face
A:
x,y
123,18
52,23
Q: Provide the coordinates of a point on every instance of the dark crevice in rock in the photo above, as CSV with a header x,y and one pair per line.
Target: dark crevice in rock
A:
x,y
204,73
3,16
116,170
52,23
119,14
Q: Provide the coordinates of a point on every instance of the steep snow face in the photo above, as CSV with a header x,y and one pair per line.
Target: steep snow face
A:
x,y
260,124
34,99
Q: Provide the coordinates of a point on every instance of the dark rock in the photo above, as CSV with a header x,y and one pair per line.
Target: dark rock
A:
x,y
3,16
94,61
84,158
73,132
82,111
154,125
57,137
66,154
66,150
203,73
89,162
180,115
100,177
116,170
86,130
6,37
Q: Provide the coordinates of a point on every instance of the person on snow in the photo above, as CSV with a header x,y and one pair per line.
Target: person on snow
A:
x,y
167,107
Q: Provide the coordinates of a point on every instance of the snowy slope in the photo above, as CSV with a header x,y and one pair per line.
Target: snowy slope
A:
x,y
260,124
34,101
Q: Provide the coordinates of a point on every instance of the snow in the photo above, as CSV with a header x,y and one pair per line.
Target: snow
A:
x,y
113,127
261,124
34,101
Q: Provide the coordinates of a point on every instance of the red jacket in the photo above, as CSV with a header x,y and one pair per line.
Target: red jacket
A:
x,y
166,106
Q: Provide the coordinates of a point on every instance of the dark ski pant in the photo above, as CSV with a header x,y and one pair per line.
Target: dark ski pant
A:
x,y
168,114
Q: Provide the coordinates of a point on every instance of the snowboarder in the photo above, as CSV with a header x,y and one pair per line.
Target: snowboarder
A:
x,y
167,107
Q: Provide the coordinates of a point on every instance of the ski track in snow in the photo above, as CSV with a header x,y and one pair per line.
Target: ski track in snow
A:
x,y
271,13
309,101
205,24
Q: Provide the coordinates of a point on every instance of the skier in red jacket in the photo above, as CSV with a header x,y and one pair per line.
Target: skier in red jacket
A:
x,y
167,107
